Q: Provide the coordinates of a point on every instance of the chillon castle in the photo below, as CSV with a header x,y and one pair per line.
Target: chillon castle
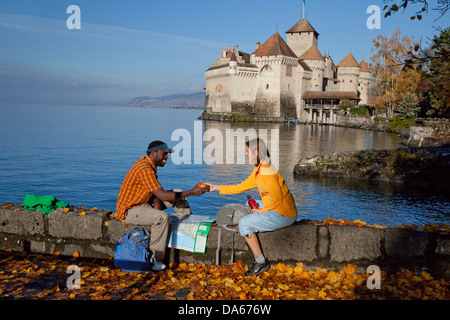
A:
x,y
284,79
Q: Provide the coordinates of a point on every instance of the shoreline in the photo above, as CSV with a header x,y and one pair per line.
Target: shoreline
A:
x,y
426,132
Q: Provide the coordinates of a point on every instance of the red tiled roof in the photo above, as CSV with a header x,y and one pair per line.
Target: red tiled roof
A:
x,y
275,46
302,26
233,57
312,54
364,66
348,61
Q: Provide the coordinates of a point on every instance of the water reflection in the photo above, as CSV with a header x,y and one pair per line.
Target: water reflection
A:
x,y
338,198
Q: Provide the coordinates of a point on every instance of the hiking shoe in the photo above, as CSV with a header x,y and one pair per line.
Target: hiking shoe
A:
x,y
158,266
257,268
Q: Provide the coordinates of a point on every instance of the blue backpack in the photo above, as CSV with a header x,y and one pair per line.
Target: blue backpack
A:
x,y
132,253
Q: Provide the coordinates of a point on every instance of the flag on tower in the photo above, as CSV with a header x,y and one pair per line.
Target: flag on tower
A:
x,y
303,13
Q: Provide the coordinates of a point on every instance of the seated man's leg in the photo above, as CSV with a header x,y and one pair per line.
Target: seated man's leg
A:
x,y
158,220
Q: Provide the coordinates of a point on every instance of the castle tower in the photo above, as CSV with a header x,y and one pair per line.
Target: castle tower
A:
x,y
277,79
363,85
233,64
348,73
301,37
316,62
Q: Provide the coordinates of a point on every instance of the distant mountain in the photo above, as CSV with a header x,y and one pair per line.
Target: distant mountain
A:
x,y
174,101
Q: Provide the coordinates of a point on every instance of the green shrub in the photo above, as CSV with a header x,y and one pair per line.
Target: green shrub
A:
x,y
398,123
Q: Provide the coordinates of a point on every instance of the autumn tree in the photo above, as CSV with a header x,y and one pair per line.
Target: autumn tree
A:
x,y
391,81
421,7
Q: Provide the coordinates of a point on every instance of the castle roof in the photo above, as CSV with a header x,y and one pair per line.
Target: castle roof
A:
x,y
332,95
302,26
312,54
364,66
275,46
233,57
304,65
349,61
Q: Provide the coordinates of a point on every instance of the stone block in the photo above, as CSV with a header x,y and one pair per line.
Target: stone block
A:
x,y
323,246
22,222
105,251
225,239
72,225
443,246
69,250
38,246
349,243
296,242
116,229
402,244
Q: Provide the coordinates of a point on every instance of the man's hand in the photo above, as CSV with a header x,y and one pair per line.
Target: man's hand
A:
x,y
200,188
255,210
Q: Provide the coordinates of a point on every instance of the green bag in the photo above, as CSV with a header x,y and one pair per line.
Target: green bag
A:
x,y
44,203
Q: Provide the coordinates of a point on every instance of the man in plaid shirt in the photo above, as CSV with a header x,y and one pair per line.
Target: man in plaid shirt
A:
x,y
142,199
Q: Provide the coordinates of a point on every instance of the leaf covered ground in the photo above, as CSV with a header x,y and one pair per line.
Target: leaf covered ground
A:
x,y
45,277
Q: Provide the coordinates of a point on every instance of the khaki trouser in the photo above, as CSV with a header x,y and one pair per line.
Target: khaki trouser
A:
x,y
158,220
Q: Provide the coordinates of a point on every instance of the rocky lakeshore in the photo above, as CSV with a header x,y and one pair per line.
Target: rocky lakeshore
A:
x,y
404,165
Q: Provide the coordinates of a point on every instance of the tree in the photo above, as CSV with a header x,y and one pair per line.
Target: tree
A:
x,y
442,6
409,106
390,79
434,65
439,75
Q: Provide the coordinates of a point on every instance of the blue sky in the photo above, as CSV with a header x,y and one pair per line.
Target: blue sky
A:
x,y
130,48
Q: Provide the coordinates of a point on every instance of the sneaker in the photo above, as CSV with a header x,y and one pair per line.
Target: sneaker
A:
x,y
158,266
257,268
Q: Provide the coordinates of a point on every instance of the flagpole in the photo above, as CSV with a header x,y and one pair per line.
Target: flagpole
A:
x,y
303,10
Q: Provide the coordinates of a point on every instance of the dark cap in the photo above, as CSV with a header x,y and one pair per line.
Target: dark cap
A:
x,y
158,145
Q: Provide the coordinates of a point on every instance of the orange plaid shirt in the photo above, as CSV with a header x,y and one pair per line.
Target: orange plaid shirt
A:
x,y
137,186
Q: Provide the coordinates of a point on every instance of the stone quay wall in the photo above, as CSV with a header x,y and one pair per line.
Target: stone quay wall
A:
x,y
95,235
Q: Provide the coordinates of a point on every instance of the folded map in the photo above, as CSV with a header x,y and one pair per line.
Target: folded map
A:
x,y
189,232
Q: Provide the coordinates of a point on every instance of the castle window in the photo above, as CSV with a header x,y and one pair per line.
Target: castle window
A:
x,y
267,86
289,71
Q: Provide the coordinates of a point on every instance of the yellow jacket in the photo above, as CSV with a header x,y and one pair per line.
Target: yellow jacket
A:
x,y
274,192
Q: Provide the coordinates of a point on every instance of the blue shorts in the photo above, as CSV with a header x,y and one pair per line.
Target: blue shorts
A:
x,y
262,222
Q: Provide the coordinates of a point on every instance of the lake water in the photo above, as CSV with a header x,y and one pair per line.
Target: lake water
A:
x,y
80,154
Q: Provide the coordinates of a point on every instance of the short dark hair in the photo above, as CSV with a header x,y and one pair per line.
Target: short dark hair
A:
x,y
154,144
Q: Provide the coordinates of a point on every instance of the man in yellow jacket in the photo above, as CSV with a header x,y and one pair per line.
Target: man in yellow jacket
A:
x,y
278,206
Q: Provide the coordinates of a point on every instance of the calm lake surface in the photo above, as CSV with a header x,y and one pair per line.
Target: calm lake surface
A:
x,y
80,154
